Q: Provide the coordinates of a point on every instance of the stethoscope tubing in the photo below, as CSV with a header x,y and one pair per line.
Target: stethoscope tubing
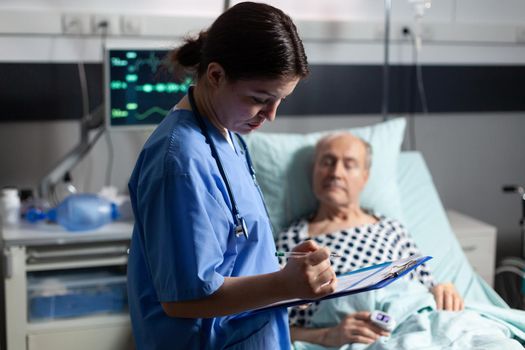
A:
x,y
238,219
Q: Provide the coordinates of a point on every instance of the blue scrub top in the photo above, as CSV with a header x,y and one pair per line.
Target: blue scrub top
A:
x,y
183,242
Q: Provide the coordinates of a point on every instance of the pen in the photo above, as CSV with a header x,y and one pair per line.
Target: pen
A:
x,y
300,254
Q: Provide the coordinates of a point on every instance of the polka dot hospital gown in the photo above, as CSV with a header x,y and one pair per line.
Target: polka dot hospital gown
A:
x,y
359,246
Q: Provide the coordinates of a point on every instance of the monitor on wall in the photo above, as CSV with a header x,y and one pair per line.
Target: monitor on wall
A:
x,y
139,90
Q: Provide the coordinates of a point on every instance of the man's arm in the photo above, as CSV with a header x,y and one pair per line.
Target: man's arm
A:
x,y
446,296
354,328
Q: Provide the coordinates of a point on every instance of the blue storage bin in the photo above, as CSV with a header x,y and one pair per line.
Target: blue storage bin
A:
x,y
75,294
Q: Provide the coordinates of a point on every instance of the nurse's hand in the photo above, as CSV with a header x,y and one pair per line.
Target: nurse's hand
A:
x,y
310,276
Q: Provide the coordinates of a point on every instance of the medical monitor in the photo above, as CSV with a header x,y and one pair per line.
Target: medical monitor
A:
x,y
139,90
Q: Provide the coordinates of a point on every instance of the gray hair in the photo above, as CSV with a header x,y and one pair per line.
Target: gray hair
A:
x,y
335,135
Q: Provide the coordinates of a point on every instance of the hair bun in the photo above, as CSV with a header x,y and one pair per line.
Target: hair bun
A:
x,y
188,55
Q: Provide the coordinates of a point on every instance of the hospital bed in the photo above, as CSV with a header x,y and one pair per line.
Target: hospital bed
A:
x,y
427,222
421,211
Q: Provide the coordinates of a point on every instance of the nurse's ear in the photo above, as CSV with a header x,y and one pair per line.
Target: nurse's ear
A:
x,y
215,75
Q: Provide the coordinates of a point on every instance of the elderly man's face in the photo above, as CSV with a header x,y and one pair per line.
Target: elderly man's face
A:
x,y
340,171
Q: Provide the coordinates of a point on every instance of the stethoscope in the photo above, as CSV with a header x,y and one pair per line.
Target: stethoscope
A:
x,y
240,223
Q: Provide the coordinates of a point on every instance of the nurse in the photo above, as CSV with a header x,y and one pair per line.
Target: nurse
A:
x,y
202,253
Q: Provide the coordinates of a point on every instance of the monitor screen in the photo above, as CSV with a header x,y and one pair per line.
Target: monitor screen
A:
x,y
139,91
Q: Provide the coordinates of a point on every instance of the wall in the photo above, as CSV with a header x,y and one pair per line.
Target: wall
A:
x,y
470,155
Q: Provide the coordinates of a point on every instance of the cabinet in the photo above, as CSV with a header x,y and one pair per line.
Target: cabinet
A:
x,y
30,250
478,241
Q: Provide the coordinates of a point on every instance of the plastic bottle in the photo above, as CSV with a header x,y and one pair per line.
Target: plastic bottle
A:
x,y
64,188
10,207
79,212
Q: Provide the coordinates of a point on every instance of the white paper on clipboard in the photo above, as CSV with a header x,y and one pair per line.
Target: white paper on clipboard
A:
x,y
362,279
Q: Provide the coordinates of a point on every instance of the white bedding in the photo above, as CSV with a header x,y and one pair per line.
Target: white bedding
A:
x,y
420,326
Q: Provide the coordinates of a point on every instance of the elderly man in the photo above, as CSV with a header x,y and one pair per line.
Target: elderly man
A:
x,y
341,169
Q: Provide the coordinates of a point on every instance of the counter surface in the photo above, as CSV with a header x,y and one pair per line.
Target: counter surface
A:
x,y
27,234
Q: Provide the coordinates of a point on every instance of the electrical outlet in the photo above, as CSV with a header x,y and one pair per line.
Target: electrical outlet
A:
x,y
130,25
75,23
103,24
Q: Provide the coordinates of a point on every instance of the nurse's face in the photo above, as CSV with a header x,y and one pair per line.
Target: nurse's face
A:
x,y
244,105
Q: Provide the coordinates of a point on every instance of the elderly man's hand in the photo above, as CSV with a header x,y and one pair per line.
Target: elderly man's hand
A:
x,y
354,328
447,297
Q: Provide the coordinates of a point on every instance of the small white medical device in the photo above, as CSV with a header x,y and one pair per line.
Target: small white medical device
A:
x,y
383,320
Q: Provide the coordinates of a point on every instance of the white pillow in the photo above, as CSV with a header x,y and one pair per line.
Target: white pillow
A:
x,y
283,164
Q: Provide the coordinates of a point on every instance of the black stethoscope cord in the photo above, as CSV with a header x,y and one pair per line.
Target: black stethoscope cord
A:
x,y
240,223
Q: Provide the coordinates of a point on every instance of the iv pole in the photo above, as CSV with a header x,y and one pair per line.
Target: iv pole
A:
x,y
386,70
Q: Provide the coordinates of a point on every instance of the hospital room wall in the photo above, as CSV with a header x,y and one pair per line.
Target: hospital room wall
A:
x,y
470,155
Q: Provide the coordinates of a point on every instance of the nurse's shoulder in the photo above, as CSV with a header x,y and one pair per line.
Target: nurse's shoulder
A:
x,y
176,143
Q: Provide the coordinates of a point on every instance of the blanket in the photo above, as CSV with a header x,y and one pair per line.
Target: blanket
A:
x,y
421,326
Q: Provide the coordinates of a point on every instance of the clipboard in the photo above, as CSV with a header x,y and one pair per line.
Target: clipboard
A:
x,y
361,280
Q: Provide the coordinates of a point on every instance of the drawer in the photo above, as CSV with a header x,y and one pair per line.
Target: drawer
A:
x,y
480,252
75,293
116,337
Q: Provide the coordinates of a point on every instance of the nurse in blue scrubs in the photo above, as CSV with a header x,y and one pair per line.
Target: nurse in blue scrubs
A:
x,y
202,253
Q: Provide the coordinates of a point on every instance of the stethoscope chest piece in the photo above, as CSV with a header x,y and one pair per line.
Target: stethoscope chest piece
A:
x,y
241,229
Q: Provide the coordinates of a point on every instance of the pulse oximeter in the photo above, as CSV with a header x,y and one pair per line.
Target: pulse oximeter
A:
x,y
383,320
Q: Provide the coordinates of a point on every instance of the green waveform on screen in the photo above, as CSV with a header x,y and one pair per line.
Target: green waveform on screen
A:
x,y
133,63
152,61
118,113
165,87
118,62
118,85
132,78
149,112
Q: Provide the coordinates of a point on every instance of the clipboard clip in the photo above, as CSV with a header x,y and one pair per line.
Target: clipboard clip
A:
x,y
397,270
